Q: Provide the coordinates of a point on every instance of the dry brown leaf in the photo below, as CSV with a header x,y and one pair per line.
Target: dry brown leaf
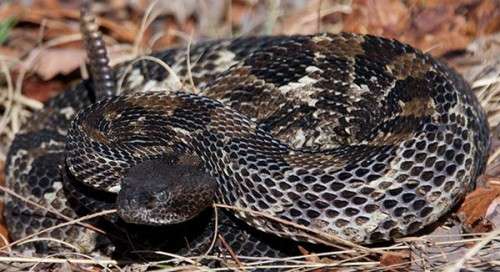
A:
x,y
441,26
432,19
474,209
56,26
54,61
395,261
40,90
440,29
9,52
385,17
487,17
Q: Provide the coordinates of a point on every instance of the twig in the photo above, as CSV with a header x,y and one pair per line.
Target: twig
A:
x,y
56,260
324,238
473,251
75,221
10,94
230,251
216,230
273,14
318,22
177,257
188,61
169,69
146,21
51,240
80,255
50,210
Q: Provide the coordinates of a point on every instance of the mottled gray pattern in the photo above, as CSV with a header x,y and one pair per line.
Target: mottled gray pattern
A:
x,y
357,136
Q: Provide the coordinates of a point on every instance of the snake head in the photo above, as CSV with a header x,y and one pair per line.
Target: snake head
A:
x,y
166,191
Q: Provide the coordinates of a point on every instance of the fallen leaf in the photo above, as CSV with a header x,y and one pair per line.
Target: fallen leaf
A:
x,y
54,61
440,26
10,52
474,209
487,17
431,19
52,19
384,17
395,261
40,90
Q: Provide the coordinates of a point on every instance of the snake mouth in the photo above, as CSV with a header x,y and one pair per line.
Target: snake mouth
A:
x,y
158,208
162,192
147,209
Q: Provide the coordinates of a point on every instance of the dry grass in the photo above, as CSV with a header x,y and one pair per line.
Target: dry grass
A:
x,y
448,252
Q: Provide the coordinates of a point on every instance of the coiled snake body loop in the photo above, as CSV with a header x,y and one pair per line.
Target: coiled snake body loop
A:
x,y
353,135
372,147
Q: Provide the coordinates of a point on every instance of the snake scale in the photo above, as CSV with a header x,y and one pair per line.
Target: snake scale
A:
x,y
357,136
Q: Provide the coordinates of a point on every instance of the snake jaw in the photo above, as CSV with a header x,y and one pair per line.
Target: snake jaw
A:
x,y
164,192
141,208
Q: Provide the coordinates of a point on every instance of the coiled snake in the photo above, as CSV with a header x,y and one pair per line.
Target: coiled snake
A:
x,y
357,136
